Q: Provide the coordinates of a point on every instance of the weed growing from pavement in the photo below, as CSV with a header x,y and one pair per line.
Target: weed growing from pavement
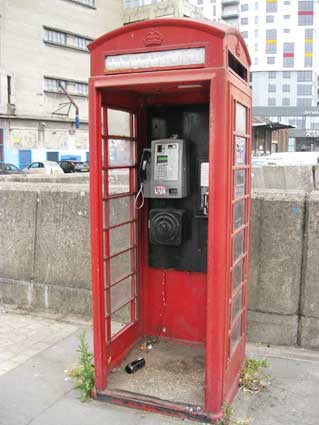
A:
x,y
84,373
253,377
229,419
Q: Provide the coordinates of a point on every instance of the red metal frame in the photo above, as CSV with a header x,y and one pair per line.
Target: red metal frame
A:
x,y
212,326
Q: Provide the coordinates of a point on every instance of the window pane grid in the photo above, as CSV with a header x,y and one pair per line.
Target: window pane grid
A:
x,y
239,235
120,247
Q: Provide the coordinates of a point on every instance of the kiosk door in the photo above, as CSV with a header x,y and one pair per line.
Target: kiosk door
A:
x,y
240,125
119,222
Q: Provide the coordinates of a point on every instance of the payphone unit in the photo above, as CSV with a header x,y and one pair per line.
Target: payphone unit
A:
x,y
165,169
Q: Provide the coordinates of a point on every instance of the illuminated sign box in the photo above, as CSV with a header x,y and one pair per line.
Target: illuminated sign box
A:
x,y
158,59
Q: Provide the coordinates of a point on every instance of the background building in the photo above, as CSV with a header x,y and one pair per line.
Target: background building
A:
x,y
43,44
138,10
282,38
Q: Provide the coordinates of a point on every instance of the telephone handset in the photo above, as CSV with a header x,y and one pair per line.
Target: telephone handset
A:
x,y
143,171
146,156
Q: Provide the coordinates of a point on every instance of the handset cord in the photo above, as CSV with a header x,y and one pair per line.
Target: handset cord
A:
x,y
139,193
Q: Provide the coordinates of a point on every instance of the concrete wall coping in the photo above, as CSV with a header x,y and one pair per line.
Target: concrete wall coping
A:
x,y
44,187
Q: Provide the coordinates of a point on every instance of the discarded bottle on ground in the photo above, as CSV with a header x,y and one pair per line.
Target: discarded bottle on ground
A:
x,y
135,365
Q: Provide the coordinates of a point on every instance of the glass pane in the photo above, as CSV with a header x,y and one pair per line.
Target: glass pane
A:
x,y
241,119
122,265
121,152
237,305
240,157
240,183
235,335
118,123
121,294
239,214
104,184
119,181
238,274
106,280
121,210
105,214
120,238
239,239
120,319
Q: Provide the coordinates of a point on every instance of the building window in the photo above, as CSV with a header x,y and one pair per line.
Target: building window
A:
x,y
286,3
199,2
287,30
66,39
304,102
271,41
271,74
256,19
88,3
76,88
244,34
81,43
308,33
305,13
256,6
256,47
54,36
304,90
304,76
286,16
270,18
288,55
308,62
271,101
286,88
271,5
288,62
256,61
244,21
244,7
271,88
286,74
270,60
285,101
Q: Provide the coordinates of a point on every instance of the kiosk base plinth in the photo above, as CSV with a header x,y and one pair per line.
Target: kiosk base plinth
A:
x,y
156,405
172,381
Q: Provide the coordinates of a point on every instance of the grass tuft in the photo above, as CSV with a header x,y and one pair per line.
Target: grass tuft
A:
x,y
253,376
84,373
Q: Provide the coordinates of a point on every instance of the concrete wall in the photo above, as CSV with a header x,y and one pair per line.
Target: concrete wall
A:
x,y
45,246
300,177
45,256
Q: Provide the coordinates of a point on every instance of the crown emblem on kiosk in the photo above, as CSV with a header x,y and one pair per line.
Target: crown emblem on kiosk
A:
x,y
153,38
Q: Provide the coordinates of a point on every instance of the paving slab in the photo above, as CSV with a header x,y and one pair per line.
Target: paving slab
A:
x,y
38,391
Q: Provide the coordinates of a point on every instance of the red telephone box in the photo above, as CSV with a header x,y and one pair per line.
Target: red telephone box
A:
x,y
170,136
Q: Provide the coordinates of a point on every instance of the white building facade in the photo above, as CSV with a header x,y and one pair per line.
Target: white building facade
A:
x,y
282,38
43,45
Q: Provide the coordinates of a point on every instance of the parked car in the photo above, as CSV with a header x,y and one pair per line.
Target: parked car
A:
x,y
9,169
67,166
44,167
81,167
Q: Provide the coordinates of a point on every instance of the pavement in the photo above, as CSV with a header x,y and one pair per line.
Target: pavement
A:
x,y
36,351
